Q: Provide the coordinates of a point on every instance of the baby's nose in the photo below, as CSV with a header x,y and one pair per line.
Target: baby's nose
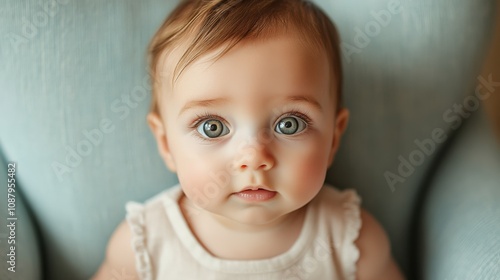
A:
x,y
254,157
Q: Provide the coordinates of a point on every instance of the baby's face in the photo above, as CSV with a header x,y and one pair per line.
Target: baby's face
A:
x,y
262,116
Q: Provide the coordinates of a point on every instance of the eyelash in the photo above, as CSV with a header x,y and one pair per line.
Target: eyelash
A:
x,y
203,117
300,115
208,116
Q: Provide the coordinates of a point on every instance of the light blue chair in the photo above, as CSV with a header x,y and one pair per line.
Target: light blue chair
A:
x,y
75,94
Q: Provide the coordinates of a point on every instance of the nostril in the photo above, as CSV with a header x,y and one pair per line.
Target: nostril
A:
x,y
243,166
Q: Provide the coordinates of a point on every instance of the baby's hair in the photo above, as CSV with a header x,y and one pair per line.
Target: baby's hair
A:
x,y
208,24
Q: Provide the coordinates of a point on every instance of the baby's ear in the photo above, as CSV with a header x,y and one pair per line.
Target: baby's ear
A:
x,y
159,132
341,120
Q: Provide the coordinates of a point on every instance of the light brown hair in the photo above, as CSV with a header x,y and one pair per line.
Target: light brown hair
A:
x,y
209,24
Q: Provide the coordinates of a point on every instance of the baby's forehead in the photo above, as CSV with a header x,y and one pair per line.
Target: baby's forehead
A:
x,y
253,72
300,55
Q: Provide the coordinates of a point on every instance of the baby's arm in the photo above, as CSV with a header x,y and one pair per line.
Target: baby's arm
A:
x,y
120,259
375,260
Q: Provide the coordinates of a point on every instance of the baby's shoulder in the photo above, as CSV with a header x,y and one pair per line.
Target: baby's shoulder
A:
x,y
120,248
375,259
120,257
127,251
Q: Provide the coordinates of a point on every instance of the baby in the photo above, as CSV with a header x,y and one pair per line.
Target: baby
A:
x,y
247,112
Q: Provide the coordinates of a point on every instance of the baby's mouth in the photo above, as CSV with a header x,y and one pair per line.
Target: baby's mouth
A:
x,y
255,188
255,194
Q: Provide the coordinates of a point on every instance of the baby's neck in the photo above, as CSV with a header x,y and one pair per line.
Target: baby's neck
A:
x,y
243,242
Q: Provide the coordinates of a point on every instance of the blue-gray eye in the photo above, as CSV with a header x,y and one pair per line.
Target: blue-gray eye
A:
x,y
212,128
290,125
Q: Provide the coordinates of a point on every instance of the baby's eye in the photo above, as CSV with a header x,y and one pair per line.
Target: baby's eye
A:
x,y
290,125
212,128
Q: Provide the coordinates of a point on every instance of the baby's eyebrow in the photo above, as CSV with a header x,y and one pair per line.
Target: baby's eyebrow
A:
x,y
306,99
203,103
218,101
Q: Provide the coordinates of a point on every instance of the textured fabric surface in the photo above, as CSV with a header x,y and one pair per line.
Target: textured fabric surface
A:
x,y
460,226
75,94
324,249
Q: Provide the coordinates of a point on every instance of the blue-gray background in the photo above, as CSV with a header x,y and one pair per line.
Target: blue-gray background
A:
x,y
68,67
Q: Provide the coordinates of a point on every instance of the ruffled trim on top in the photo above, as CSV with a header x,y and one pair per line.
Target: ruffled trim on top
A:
x,y
135,219
352,215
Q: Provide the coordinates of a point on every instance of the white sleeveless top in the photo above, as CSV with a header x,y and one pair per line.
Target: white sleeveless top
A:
x,y
165,247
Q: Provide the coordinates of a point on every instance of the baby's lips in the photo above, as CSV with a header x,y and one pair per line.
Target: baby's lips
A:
x,y
254,195
254,188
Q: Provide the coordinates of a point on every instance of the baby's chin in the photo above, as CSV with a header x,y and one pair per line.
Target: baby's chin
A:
x,y
254,217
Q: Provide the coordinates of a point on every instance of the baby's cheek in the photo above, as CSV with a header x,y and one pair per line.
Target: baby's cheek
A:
x,y
192,180
309,169
202,181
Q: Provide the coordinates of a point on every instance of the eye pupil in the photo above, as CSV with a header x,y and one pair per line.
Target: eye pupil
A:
x,y
288,124
213,127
